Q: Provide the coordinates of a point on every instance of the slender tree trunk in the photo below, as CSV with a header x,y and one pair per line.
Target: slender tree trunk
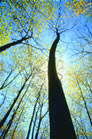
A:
x,y
40,120
11,107
35,119
85,104
6,84
61,126
3,84
34,110
13,115
17,123
39,123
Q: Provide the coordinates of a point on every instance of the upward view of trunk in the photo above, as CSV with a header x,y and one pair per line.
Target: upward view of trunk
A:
x,y
61,126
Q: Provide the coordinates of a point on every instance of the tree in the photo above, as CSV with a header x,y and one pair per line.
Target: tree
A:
x,y
11,107
60,121
34,109
4,47
80,7
24,20
26,32
83,42
14,113
80,96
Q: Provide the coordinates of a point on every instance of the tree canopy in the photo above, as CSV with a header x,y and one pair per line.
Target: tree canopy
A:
x,y
27,30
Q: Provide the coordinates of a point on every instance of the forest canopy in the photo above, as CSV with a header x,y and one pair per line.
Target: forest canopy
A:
x,y
27,31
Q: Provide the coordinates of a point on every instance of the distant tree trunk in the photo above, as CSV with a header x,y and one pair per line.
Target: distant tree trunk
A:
x,y
12,137
33,114
4,133
39,122
14,102
61,126
5,84
85,104
35,120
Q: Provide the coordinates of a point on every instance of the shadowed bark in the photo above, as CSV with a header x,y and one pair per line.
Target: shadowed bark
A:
x,y
39,122
85,103
5,84
4,133
17,123
15,100
35,120
6,46
34,110
60,121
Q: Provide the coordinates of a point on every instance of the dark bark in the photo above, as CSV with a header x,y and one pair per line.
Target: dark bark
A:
x,y
3,84
34,125
13,115
30,125
6,46
79,134
15,100
4,97
6,84
60,121
39,123
85,104
17,123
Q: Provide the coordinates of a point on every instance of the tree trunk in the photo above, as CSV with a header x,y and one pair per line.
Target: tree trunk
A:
x,y
4,133
14,102
33,114
60,121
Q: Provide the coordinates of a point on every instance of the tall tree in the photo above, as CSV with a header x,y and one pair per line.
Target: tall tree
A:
x,y
23,29
60,120
23,18
80,94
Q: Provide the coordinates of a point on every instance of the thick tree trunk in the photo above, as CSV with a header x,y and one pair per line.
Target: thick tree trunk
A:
x,y
61,126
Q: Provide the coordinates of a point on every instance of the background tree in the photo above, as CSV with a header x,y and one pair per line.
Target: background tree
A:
x,y
80,7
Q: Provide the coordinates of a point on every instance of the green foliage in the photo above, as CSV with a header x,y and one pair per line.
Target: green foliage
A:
x,y
4,34
80,7
79,93
22,16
